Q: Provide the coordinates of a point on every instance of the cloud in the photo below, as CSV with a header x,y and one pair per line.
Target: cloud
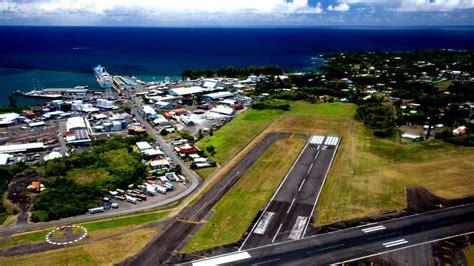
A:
x,y
417,5
342,7
162,6
435,5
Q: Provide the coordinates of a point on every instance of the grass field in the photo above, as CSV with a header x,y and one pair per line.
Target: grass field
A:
x,y
237,209
238,132
469,253
38,236
87,176
369,175
110,249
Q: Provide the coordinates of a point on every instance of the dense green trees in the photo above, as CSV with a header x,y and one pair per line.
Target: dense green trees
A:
x,y
65,197
376,116
232,72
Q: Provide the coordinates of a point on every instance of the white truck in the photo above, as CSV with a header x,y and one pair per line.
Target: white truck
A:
x,y
131,199
96,210
160,189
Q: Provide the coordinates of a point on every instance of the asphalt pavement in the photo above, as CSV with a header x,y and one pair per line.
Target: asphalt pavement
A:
x,y
162,247
290,210
358,242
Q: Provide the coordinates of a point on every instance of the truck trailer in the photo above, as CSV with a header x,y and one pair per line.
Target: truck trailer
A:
x,y
96,210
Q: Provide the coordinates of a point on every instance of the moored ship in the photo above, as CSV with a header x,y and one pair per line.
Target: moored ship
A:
x,y
104,79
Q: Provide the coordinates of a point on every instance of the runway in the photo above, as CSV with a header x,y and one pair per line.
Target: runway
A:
x,y
161,248
359,242
290,210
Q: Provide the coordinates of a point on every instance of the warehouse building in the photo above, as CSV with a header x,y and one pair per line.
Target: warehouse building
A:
x,y
27,147
77,131
217,96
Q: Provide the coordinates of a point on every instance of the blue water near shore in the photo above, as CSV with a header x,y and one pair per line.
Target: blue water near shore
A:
x,y
64,56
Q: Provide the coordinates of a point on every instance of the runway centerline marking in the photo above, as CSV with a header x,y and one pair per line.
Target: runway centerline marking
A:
x,y
375,237
291,205
267,261
302,183
321,249
310,167
278,231
316,156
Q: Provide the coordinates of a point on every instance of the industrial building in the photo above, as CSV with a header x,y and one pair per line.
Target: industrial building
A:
x,y
217,96
77,131
9,119
183,91
27,147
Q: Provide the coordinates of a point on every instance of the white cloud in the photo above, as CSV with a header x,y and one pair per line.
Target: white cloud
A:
x,y
435,5
342,7
417,5
162,7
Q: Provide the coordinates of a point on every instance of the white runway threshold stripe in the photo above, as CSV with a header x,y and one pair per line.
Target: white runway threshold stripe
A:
x,y
331,141
316,139
395,243
373,229
223,259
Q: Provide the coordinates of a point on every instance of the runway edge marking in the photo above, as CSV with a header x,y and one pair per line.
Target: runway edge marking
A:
x,y
404,247
322,185
274,194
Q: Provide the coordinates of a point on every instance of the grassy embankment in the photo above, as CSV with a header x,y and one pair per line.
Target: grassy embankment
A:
x,y
369,175
109,241
236,210
469,253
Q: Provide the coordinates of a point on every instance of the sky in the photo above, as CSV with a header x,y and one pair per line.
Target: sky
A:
x,y
230,13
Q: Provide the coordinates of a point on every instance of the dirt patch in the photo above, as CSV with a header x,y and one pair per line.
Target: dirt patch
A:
x,y
17,191
419,199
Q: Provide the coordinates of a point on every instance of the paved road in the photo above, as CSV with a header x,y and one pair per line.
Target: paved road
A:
x,y
360,242
163,246
167,149
290,211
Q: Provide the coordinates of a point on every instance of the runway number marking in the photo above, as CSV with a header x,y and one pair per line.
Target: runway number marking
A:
x,y
297,230
395,243
263,224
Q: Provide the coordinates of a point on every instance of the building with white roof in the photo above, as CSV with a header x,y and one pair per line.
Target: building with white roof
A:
x,y
9,119
221,109
217,95
77,131
4,159
149,111
182,91
143,146
159,164
161,121
27,147
77,122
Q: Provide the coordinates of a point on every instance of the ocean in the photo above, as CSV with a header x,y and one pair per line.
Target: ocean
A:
x,y
64,56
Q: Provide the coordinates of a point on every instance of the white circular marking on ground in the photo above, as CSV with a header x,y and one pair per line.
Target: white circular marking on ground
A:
x,y
66,241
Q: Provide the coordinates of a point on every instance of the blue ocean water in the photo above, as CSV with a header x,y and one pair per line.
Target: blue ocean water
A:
x,y
64,56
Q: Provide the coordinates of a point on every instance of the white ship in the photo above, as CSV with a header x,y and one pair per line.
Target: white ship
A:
x,y
104,79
